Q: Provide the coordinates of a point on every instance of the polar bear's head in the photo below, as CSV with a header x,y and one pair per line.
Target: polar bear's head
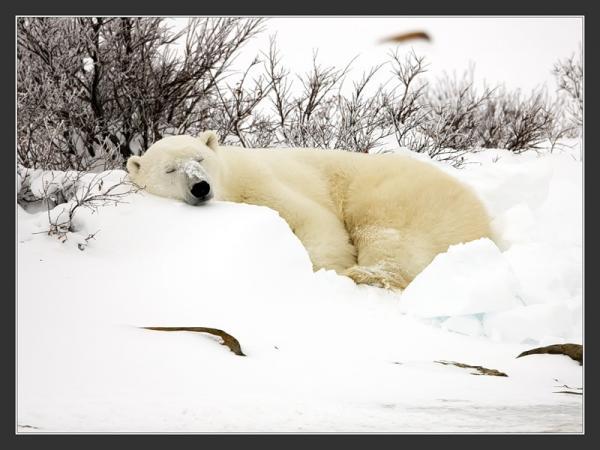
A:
x,y
180,167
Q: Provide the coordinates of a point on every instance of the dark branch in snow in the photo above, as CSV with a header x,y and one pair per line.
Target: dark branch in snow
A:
x,y
228,339
573,351
482,370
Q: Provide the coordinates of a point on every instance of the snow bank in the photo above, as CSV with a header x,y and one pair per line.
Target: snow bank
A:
x,y
536,203
469,278
323,353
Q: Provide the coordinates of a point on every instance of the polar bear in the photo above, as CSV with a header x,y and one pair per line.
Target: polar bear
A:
x,y
378,219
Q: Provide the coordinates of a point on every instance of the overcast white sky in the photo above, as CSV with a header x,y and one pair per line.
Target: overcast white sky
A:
x,y
516,51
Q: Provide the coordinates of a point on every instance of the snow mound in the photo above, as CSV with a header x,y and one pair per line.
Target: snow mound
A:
x,y
323,354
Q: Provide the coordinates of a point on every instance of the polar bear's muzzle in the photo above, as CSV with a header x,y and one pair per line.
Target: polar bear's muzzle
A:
x,y
198,183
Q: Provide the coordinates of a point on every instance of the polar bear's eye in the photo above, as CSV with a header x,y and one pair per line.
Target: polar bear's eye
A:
x,y
171,170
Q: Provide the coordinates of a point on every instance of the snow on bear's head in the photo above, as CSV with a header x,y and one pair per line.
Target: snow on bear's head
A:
x,y
180,167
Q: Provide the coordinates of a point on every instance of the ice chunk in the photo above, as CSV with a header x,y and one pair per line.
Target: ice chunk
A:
x,y
469,278
529,324
547,273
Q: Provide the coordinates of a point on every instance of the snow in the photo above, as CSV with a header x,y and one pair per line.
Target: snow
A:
x,y
193,170
323,355
48,182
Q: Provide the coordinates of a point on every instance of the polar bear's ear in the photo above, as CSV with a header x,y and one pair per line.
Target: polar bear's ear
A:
x,y
133,165
210,138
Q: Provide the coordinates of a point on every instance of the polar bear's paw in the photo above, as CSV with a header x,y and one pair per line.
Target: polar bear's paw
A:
x,y
380,275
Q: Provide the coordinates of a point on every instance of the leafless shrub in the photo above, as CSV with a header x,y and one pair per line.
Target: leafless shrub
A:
x,y
62,194
452,117
440,119
517,122
115,85
453,106
408,110
321,115
305,119
363,117
236,116
560,126
527,121
92,91
569,77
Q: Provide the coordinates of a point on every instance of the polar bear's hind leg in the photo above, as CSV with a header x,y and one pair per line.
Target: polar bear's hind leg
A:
x,y
388,257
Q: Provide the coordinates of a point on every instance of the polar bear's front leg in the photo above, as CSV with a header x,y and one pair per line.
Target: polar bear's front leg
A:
x,y
319,229
327,242
323,235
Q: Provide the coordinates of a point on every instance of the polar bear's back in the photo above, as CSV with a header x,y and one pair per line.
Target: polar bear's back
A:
x,y
368,185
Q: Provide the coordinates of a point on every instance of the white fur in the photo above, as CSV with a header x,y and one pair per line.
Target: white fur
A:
x,y
379,219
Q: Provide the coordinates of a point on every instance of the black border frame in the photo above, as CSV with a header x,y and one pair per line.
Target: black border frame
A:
x,y
339,8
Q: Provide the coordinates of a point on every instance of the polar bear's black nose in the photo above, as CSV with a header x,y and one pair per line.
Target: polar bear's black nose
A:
x,y
200,190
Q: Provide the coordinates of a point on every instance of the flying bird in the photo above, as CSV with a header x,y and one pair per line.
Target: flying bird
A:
x,y
404,37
